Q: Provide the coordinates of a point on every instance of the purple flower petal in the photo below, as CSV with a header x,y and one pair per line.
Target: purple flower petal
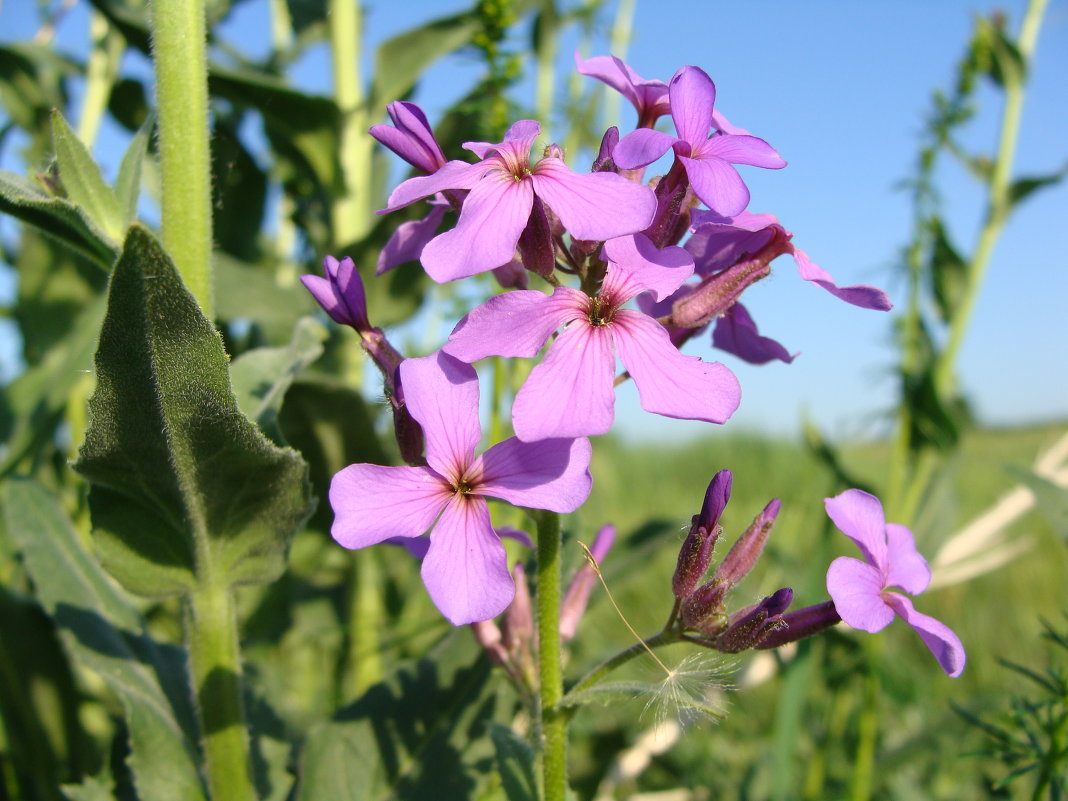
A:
x,y
937,636
668,382
856,587
641,147
862,295
593,206
551,474
906,568
466,568
661,272
570,393
408,241
453,175
373,503
513,324
736,333
518,140
442,395
692,96
716,247
746,219
412,139
750,150
717,184
493,215
649,98
859,515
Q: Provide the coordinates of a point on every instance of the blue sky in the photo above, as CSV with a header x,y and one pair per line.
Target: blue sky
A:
x,y
840,90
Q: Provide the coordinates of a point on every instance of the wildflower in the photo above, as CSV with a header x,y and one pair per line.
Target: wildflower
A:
x,y
506,189
706,159
695,555
412,138
578,592
465,568
862,591
570,393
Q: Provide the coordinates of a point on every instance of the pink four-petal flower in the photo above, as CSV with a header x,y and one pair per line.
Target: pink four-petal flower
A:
x,y
465,569
863,591
570,393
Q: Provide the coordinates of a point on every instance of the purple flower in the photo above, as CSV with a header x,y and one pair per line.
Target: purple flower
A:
x,y
707,159
340,293
465,568
649,98
411,139
570,393
861,591
504,188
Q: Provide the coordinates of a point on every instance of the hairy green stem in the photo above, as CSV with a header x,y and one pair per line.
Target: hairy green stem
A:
x,y
178,50
215,667
553,719
351,211
594,677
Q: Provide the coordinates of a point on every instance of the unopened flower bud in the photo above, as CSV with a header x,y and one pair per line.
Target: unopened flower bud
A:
x,y
746,551
802,623
703,609
718,292
411,139
340,293
489,637
578,593
752,625
553,151
696,552
603,162
518,623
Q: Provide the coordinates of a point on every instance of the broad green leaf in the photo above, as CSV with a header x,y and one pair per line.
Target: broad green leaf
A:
x,y
37,399
262,376
515,763
103,632
239,193
184,486
1051,500
400,61
416,735
82,180
246,291
57,217
128,182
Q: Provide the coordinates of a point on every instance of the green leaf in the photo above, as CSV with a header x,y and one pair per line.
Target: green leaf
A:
x,y
411,736
103,632
1051,500
1023,188
57,217
185,488
400,61
515,763
262,376
128,182
949,273
94,788
82,180
246,291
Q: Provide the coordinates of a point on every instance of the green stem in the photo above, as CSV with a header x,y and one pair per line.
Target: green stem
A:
x,y
100,69
215,664
365,655
553,718
867,736
178,49
594,677
351,211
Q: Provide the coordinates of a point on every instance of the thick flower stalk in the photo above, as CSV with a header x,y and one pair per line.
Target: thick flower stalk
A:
x,y
508,193
465,568
570,393
863,591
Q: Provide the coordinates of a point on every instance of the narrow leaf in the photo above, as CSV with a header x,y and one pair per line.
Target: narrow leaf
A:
x,y
1023,188
949,273
1051,499
56,217
106,634
128,182
82,180
183,483
515,763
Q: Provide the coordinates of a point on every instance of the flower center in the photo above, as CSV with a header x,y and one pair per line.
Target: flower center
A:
x,y
601,311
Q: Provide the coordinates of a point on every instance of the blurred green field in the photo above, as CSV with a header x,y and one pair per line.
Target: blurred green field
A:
x,y
793,736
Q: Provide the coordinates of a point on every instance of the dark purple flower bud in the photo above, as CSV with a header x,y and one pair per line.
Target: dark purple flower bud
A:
x,y
536,242
412,138
603,162
703,609
718,292
802,623
696,552
745,552
752,625
340,293
578,593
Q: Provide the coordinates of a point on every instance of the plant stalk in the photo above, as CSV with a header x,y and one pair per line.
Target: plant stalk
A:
x,y
553,719
178,51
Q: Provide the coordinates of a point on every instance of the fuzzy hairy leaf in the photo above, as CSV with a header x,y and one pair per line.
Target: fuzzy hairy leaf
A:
x,y
82,180
104,632
185,488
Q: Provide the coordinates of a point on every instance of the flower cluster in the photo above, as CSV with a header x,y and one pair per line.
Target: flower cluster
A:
x,y
622,267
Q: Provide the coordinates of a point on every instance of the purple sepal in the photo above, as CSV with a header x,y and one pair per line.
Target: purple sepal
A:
x,y
411,139
747,550
703,609
696,552
748,628
407,242
340,293
802,623
736,333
